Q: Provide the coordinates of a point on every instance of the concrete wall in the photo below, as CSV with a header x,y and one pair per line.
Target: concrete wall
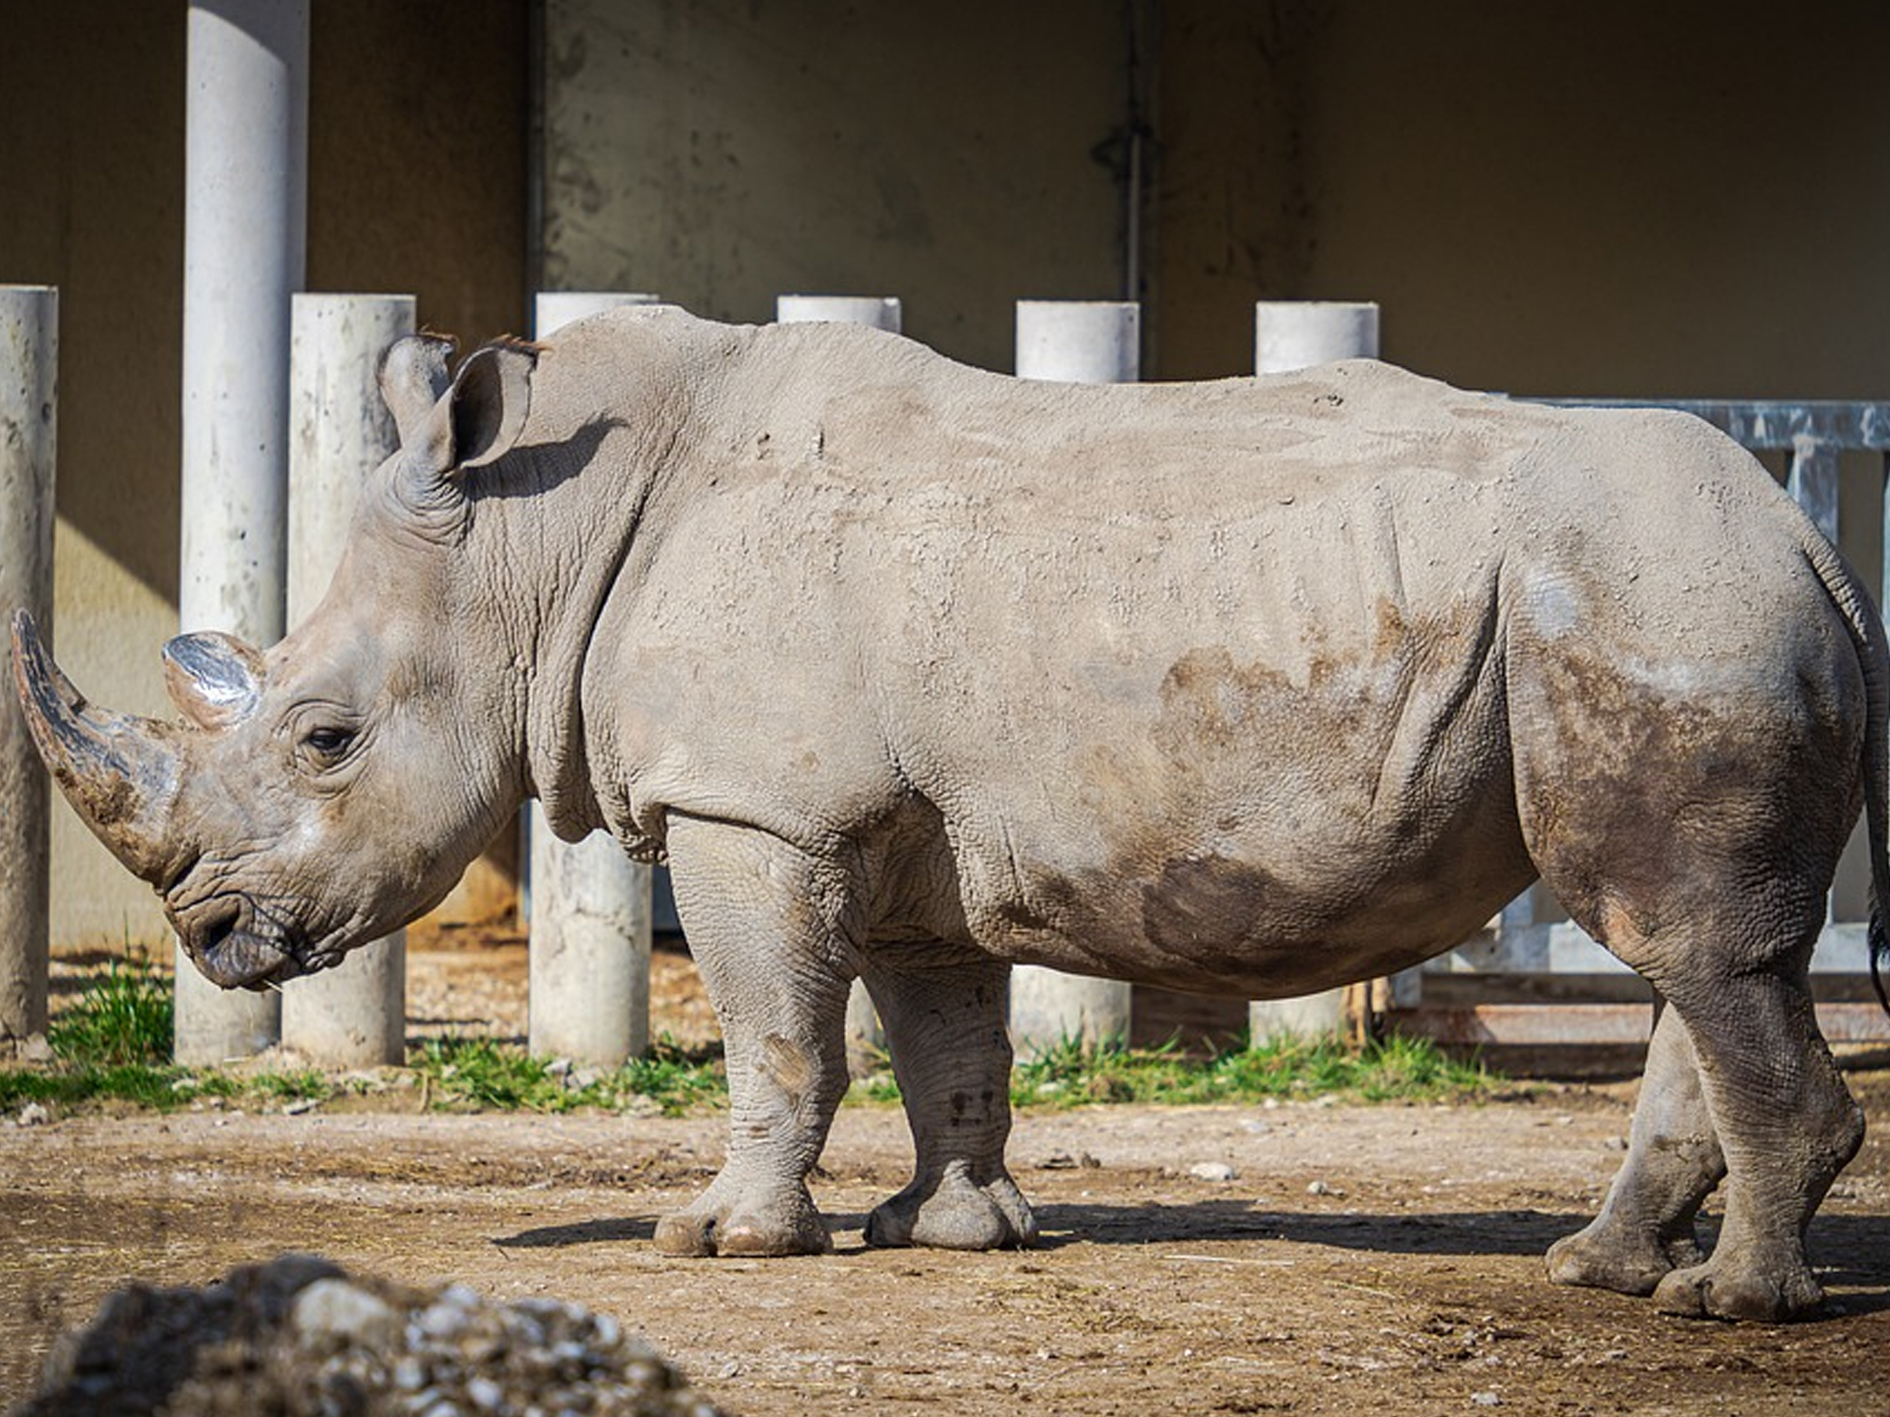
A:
x,y
1607,198
1613,198
416,183
720,152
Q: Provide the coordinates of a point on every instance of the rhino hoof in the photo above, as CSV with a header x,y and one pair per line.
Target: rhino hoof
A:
x,y
1709,1291
1608,1262
700,1232
958,1215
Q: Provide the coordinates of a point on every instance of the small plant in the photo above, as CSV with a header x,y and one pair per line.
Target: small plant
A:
x,y
1396,1069
480,1072
124,1017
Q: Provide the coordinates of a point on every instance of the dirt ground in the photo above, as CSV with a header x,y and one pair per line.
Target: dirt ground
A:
x,y
1358,1258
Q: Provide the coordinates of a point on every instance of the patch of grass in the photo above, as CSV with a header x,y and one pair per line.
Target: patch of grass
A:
x,y
123,1018
113,1045
1074,1073
1393,1070
473,1073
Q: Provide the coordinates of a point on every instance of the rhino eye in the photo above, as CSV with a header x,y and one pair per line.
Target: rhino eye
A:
x,y
324,747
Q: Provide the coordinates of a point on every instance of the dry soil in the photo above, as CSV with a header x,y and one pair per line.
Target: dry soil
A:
x,y
1358,1258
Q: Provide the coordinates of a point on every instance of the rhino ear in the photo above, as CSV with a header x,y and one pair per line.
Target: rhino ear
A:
x,y
214,679
480,417
412,377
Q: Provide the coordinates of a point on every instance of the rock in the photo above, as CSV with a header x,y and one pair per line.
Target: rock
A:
x,y
1486,1399
1323,1188
33,1115
299,1337
336,1309
1212,1171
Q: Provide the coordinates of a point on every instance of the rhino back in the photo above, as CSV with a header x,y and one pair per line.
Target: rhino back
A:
x,y
1191,675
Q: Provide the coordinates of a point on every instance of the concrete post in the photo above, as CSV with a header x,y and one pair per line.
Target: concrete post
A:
x,y
589,904
881,312
1077,342
29,402
1297,334
1288,335
354,1015
866,1036
1080,341
245,144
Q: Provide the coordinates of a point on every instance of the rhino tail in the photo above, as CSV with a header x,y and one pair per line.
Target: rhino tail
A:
x,y
1873,657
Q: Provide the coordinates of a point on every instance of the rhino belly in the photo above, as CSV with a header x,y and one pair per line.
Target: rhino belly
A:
x,y
1273,837
1252,911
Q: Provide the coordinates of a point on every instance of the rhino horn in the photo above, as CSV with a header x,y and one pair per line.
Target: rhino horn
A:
x,y
120,773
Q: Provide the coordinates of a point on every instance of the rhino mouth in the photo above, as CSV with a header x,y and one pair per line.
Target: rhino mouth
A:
x,y
232,953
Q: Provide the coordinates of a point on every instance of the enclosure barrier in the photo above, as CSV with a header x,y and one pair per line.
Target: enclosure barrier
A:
x,y
353,1015
245,142
1076,342
29,402
1562,986
588,956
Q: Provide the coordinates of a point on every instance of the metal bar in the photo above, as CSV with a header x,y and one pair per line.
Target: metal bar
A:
x,y
1813,483
1552,1024
1772,423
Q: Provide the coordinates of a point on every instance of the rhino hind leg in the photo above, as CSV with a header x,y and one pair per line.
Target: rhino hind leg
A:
x,y
1732,967
1690,818
1645,1229
945,1027
762,926
1787,1125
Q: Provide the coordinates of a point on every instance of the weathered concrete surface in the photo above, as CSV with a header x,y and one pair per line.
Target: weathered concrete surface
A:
x,y
723,153
29,441
339,432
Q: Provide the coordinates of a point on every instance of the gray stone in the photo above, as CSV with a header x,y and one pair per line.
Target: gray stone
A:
x,y
337,1309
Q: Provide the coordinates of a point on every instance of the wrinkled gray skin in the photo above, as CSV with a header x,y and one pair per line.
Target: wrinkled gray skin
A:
x,y
916,672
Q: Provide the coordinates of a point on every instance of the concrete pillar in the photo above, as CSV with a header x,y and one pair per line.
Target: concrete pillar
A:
x,y
1288,335
29,402
866,1037
1296,334
881,312
245,146
1076,342
589,904
1080,341
355,1015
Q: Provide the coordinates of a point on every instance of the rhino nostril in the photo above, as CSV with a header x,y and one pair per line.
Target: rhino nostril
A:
x,y
213,926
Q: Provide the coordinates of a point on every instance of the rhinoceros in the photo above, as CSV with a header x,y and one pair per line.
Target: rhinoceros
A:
x,y
913,672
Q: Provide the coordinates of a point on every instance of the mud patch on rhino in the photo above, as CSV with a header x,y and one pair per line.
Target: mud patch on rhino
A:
x,y
1203,909
1649,806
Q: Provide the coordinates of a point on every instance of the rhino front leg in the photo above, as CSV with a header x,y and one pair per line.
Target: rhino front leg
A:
x,y
765,924
951,1052
1645,1230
